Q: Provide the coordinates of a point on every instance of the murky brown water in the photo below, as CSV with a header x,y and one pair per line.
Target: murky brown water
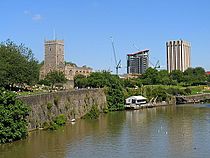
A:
x,y
179,131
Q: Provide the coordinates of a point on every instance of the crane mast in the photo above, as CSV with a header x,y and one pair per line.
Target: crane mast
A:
x,y
117,63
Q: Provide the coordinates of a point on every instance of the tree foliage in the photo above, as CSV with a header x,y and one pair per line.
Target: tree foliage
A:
x,y
113,87
17,65
55,77
13,114
190,77
147,85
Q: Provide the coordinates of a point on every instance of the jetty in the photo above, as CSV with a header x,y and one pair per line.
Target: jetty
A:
x,y
140,102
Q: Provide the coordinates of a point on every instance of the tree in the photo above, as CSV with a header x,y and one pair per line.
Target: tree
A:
x,y
208,78
112,84
150,76
177,75
200,76
195,76
131,83
17,65
13,117
80,81
99,79
163,77
54,77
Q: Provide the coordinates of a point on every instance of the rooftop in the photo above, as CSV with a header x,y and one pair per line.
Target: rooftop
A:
x,y
137,97
139,52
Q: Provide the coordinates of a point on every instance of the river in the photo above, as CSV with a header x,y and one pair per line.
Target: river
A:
x,y
171,131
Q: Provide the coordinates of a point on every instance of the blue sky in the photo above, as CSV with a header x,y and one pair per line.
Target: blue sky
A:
x,y
86,27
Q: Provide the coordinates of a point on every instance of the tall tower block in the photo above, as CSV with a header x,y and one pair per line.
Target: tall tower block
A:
x,y
137,63
54,55
178,55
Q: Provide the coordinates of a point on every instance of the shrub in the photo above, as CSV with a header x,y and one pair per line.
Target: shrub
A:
x,y
13,114
56,100
49,105
58,121
188,91
93,114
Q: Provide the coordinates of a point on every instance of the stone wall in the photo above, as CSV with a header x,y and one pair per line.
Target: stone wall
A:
x,y
192,98
74,104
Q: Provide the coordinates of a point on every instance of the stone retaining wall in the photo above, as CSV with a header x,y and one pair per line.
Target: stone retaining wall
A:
x,y
192,98
74,104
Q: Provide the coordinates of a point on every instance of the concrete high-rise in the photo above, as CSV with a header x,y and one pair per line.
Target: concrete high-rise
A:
x,y
138,62
178,55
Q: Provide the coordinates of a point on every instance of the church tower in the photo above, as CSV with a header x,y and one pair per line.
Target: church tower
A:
x,y
54,55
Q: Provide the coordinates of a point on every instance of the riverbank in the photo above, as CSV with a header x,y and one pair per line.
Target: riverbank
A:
x,y
147,105
73,104
198,98
169,131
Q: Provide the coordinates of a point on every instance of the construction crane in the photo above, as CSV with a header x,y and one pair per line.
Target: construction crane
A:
x,y
117,63
156,65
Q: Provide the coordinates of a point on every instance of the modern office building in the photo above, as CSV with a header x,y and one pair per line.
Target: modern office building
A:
x,y
138,62
178,55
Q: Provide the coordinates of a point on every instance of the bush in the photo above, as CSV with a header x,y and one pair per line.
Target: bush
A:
x,y
188,91
93,114
60,120
56,100
49,105
13,114
57,122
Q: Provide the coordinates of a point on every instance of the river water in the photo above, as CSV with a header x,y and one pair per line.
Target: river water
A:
x,y
173,131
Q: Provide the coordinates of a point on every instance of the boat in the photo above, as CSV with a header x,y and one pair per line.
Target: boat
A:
x,y
135,102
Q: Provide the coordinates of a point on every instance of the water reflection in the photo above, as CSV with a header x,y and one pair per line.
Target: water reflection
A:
x,y
175,131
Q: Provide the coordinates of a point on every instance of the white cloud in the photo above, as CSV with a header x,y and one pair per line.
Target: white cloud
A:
x,y
36,17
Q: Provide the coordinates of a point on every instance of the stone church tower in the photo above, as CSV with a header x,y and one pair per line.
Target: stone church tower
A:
x,y
54,61
54,55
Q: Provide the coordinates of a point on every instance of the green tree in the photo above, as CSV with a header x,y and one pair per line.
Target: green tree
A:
x,y
195,76
208,78
163,77
150,77
13,114
113,87
131,83
177,75
200,76
54,77
115,94
80,81
99,79
17,65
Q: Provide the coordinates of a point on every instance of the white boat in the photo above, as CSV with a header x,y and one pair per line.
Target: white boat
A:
x,y
135,102
73,120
